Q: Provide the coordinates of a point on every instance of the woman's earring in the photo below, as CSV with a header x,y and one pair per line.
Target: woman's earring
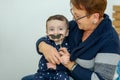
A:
x,y
94,22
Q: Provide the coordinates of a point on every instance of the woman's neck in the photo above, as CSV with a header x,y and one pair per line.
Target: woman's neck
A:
x,y
87,33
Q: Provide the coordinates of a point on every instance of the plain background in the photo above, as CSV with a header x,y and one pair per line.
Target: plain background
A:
x,y
22,23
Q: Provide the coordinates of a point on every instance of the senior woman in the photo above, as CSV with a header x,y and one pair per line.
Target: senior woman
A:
x,y
93,40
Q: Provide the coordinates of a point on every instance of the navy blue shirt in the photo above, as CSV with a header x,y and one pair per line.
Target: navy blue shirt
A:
x,y
43,61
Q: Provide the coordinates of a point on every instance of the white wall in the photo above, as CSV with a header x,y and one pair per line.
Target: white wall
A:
x,y
110,4
22,22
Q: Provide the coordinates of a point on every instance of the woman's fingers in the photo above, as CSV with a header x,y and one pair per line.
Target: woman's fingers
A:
x,y
55,58
65,58
52,55
63,51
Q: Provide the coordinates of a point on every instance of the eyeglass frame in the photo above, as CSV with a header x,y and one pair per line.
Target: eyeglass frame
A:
x,y
79,16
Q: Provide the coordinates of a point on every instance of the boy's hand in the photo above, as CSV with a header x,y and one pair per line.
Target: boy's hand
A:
x,y
51,66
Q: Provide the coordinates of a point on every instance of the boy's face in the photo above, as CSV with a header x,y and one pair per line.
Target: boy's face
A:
x,y
56,30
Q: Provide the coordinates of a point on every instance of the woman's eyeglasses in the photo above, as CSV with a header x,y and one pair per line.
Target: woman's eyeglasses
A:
x,y
78,18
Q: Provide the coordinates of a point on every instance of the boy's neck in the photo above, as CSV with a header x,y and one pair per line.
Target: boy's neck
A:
x,y
58,42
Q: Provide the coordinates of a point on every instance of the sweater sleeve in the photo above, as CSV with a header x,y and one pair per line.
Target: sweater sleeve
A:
x,y
80,73
105,64
104,68
107,59
61,68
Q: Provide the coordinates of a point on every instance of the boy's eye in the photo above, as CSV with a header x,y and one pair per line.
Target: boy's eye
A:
x,y
61,29
51,29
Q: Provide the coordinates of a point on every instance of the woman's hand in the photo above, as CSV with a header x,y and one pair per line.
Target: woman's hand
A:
x,y
65,56
65,59
50,53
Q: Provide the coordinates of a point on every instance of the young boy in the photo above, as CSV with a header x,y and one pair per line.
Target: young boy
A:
x,y
57,31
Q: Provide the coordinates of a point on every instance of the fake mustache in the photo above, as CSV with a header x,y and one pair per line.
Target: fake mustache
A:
x,y
58,36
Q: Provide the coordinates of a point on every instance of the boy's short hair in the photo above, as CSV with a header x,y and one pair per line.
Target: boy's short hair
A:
x,y
58,17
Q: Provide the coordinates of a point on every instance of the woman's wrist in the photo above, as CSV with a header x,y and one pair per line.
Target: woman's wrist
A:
x,y
71,65
75,64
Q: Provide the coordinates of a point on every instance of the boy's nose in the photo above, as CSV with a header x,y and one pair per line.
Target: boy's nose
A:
x,y
55,32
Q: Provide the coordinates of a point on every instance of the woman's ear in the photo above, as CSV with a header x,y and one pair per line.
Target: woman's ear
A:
x,y
96,18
